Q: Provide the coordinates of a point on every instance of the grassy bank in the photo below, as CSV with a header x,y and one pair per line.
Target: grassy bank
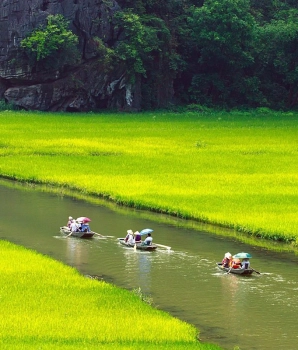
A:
x,y
234,169
47,305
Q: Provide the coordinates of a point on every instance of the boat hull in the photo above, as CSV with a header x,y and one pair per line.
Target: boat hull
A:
x,y
138,246
65,230
241,271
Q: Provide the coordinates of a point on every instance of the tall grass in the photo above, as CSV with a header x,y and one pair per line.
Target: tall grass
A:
x,y
234,169
46,305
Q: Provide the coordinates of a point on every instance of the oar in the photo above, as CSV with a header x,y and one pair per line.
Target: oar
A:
x,y
256,271
229,270
101,235
163,246
64,228
98,234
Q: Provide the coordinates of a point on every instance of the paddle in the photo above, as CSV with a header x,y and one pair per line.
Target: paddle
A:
x,y
163,246
256,271
229,270
64,228
102,235
98,234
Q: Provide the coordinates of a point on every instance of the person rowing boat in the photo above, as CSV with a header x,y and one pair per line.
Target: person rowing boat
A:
x,y
148,240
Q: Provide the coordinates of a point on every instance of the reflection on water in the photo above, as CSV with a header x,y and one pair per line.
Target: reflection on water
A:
x,y
138,268
254,312
75,252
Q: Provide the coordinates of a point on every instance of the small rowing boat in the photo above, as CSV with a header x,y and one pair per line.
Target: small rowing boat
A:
x,y
139,246
238,271
65,230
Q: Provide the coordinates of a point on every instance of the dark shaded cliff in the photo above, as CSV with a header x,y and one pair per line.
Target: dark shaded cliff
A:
x,y
86,85
142,54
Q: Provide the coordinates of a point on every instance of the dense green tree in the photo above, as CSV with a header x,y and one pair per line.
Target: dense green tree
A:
x,y
53,42
139,39
223,36
278,59
213,52
145,46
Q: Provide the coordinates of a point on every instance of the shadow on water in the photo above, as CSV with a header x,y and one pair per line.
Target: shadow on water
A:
x,y
256,312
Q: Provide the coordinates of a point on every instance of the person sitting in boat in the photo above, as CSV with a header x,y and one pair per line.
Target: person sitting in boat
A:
x,y
148,240
236,263
70,218
131,239
245,264
138,237
74,226
85,227
226,261
79,225
129,236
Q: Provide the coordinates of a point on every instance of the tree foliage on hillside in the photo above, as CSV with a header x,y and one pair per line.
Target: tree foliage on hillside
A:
x,y
227,53
223,35
53,42
218,52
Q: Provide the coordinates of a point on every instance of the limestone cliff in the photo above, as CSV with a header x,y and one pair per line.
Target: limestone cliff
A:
x,y
81,87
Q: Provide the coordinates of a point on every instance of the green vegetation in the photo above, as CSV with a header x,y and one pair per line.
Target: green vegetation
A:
x,y
234,169
46,43
5,106
217,53
46,305
226,53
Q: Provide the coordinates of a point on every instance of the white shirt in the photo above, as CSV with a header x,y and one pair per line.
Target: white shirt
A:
x,y
73,227
148,240
130,239
245,264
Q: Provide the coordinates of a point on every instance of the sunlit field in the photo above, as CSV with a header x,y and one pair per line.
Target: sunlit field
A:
x,y
47,305
233,169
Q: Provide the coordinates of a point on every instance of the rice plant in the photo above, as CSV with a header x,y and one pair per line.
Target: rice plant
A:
x,y
47,305
236,170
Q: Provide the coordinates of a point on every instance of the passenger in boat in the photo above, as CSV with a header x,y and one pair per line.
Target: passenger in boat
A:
x,y
236,263
74,226
131,239
245,264
129,235
226,261
85,227
70,218
148,240
138,237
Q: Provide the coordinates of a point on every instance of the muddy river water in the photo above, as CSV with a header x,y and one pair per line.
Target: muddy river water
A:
x,y
256,312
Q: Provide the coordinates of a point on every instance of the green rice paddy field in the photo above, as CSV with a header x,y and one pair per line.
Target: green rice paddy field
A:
x,y
233,169
47,305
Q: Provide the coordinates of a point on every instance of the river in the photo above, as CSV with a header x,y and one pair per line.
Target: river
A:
x,y
257,312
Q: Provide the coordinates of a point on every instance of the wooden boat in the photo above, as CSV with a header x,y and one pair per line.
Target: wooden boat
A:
x,y
239,271
139,246
65,230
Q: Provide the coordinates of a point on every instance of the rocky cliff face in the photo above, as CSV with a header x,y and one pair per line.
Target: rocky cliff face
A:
x,y
83,87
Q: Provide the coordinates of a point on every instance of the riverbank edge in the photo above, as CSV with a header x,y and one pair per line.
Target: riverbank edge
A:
x,y
241,234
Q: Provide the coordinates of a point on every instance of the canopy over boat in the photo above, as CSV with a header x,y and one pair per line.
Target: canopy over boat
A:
x,y
83,219
146,231
242,256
